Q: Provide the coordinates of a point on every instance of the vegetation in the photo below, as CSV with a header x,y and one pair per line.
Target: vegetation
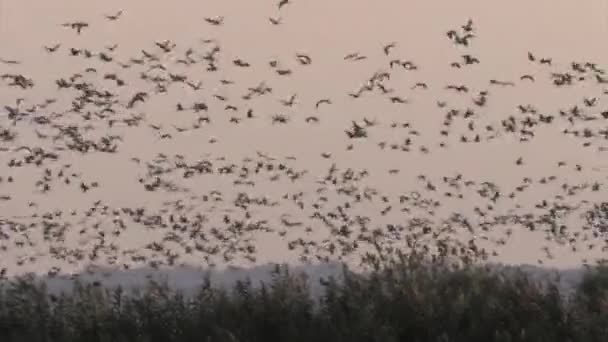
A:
x,y
408,301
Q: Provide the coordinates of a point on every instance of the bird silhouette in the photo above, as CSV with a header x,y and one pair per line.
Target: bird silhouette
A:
x,y
397,99
9,61
78,26
527,77
138,97
114,17
468,27
387,48
241,63
322,101
216,21
53,48
289,102
303,59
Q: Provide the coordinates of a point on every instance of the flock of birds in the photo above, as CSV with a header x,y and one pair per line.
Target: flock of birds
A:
x,y
217,209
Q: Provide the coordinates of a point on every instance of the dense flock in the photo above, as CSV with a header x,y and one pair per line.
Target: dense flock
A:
x,y
162,121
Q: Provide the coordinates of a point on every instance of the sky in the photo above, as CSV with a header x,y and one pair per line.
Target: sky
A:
x,y
326,31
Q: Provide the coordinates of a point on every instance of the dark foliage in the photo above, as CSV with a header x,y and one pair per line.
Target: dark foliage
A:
x,y
404,302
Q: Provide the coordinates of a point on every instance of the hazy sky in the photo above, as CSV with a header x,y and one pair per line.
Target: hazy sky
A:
x,y
327,31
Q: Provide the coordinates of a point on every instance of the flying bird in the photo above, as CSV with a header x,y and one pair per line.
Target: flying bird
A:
x,y
77,25
241,63
311,119
216,21
397,99
194,86
527,77
303,59
290,102
354,56
468,27
590,102
284,72
458,88
468,59
531,57
138,97
322,101
114,17
501,83
387,48
165,45
9,61
53,48
357,131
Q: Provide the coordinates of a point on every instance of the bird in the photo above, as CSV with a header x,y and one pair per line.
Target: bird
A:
x,y
322,101
290,102
397,99
76,25
501,83
458,88
114,17
387,48
279,118
303,59
216,21
241,63
384,89
369,123
195,86
590,102
165,45
220,97
527,77
468,59
468,27
283,72
354,56
357,131
9,61
53,48
138,97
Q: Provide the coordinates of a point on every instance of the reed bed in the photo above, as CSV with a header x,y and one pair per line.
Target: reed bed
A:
x,y
407,301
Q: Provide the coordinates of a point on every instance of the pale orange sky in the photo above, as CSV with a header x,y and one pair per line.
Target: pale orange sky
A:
x,y
327,31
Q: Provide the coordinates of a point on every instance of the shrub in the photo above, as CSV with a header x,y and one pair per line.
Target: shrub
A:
x,y
407,301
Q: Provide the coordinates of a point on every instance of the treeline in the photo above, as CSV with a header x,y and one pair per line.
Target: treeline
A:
x,y
408,301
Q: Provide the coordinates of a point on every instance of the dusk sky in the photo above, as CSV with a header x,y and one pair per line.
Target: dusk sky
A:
x,y
408,148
